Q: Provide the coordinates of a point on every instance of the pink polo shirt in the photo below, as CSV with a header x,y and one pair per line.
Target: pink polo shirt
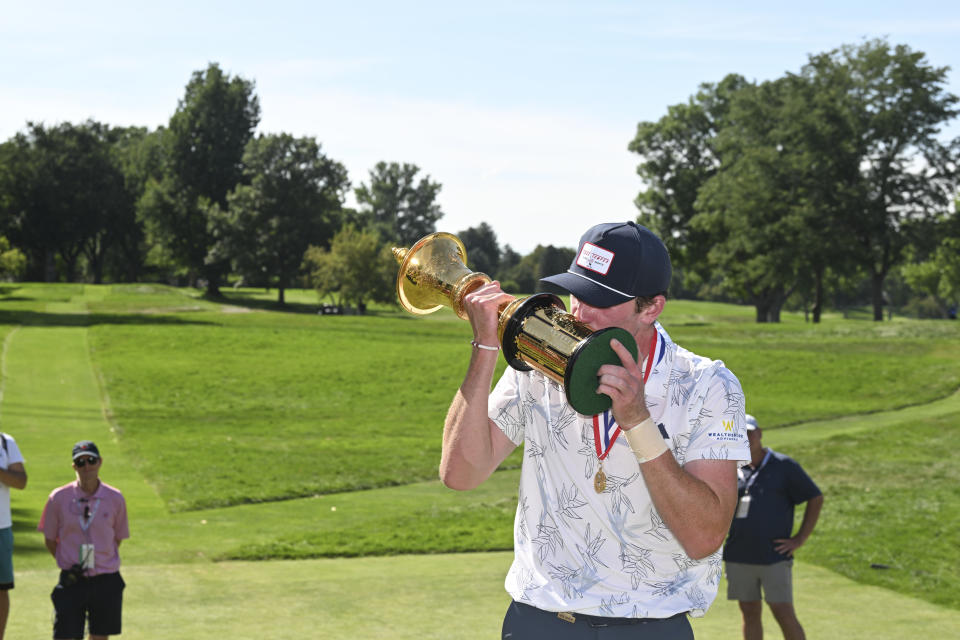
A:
x,y
72,518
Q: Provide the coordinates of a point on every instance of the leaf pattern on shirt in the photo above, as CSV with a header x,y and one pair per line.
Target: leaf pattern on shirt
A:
x,y
683,385
683,561
607,604
548,538
511,421
680,443
522,534
718,453
591,551
736,403
703,414
588,450
615,487
696,597
716,570
526,583
568,501
667,588
658,529
567,576
636,563
558,428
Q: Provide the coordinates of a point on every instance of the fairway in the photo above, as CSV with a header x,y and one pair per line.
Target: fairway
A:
x,y
61,384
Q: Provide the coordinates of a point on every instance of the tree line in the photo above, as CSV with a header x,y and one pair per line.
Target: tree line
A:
x,y
204,200
815,181
820,186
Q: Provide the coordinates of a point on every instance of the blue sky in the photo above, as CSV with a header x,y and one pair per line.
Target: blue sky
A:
x,y
521,110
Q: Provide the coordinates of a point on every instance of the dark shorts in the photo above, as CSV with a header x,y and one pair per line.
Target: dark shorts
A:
x,y
99,598
524,622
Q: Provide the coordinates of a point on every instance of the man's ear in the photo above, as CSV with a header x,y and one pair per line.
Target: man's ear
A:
x,y
652,311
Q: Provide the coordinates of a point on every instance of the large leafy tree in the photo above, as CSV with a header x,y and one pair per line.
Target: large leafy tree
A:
x,y
755,208
203,161
293,199
895,102
678,156
398,206
64,195
774,209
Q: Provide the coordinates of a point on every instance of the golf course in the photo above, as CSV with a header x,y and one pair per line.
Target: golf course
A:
x,y
280,466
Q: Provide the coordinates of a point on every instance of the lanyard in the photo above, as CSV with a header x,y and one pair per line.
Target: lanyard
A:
x,y
86,518
604,443
753,476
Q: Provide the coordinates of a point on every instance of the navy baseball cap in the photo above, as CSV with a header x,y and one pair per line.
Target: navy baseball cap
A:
x,y
615,263
85,448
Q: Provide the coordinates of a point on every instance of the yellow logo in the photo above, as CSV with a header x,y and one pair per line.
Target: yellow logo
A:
x,y
727,425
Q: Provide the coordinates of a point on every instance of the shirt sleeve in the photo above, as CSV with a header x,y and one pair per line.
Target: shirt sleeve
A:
x,y
121,528
718,419
49,520
13,452
800,487
505,407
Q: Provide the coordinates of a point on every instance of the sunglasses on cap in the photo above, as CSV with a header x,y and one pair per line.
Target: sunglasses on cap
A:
x,y
81,462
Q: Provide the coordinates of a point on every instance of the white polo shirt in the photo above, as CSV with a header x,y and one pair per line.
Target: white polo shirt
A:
x,y
7,457
610,554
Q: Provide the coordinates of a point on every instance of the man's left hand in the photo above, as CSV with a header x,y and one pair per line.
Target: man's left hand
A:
x,y
786,546
624,385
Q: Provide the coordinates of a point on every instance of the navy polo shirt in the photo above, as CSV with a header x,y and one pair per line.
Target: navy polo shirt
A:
x,y
779,486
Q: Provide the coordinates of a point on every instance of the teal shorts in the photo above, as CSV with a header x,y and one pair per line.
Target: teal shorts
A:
x,y
6,559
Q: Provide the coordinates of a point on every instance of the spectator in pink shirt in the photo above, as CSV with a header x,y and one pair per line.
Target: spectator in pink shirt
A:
x,y
83,523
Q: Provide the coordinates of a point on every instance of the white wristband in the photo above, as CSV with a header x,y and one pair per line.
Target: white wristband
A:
x,y
484,346
645,441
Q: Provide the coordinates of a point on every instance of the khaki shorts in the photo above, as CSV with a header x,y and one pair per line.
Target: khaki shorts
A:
x,y
745,580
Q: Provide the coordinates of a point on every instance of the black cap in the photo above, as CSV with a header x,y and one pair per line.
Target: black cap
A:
x,y
615,263
85,448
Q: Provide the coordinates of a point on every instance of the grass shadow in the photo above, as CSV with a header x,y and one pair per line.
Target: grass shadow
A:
x,y
43,319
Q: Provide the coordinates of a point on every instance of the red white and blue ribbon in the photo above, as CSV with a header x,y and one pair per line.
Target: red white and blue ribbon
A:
x,y
605,427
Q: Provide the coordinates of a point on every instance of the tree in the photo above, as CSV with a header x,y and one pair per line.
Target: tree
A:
x,y
541,262
356,268
12,260
293,200
203,161
938,274
397,206
64,196
895,102
678,157
771,210
483,252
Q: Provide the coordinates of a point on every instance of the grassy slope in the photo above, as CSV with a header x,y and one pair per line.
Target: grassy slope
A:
x,y
418,517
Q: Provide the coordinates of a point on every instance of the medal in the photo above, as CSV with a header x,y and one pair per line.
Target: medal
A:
x,y
606,430
600,481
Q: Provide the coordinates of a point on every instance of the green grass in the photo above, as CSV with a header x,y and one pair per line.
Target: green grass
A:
x,y
240,432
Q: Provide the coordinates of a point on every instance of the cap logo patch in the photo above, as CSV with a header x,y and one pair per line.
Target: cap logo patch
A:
x,y
594,258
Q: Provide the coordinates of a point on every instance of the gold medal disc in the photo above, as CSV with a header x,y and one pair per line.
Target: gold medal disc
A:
x,y
599,481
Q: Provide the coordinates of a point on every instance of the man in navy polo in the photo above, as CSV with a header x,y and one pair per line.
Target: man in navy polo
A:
x,y
759,550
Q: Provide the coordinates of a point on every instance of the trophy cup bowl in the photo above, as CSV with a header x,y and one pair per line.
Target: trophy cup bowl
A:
x,y
535,332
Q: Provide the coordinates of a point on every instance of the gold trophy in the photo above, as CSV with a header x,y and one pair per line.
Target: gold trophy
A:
x,y
535,332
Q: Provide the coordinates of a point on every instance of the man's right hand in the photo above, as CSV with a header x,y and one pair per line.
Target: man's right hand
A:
x,y
483,306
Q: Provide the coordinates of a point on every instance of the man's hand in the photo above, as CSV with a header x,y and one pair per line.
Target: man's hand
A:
x,y
483,309
624,385
787,546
